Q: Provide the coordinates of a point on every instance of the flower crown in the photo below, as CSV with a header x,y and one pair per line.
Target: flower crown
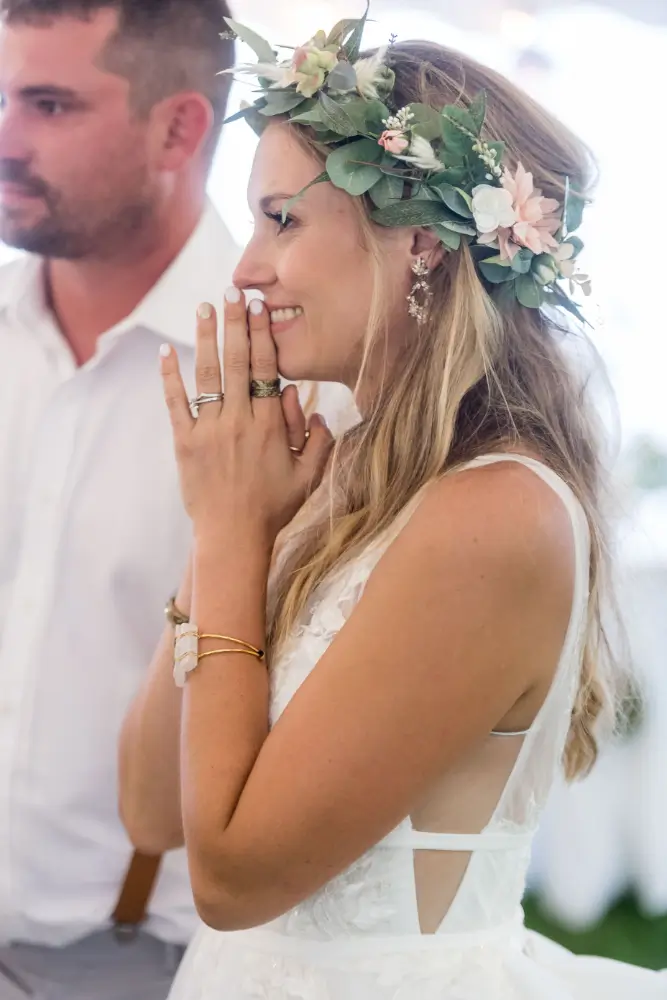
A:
x,y
420,166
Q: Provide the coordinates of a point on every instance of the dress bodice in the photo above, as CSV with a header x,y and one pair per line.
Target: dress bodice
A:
x,y
488,861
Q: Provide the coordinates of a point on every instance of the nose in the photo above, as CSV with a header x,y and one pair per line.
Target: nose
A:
x,y
255,269
13,137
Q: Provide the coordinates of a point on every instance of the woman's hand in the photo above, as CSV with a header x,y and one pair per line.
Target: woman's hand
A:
x,y
244,461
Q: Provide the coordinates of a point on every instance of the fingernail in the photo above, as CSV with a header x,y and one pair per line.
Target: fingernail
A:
x,y
256,307
165,350
233,294
205,311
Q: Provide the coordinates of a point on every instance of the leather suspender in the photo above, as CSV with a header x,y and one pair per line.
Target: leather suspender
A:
x,y
132,905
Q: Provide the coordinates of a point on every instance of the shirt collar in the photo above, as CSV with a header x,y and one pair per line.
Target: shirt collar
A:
x,y
200,273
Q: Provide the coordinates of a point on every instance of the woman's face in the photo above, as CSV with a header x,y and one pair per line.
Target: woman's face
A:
x,y
315,273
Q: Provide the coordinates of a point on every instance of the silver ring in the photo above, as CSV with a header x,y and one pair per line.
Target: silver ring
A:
x,y
205,397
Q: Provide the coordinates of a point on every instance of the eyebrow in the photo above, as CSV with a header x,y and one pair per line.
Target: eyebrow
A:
x,y
49,91
266,202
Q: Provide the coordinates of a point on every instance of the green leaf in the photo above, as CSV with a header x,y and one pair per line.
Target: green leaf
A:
x,y
426,121
477,110
459,226
375,112
522,261
453,199
495,271
528,291
352,46
297,197
573,209
309,118
462,120
342,78
450,239
351,167
576,243
245,112
452,175
280,104
259,45
410,212
341,31
387,190
335,118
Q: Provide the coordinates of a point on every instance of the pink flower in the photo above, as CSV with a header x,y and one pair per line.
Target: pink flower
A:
x,y
394,141
300,56
536,224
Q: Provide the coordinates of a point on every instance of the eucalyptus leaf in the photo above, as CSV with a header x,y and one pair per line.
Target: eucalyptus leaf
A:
x,y
340,31
324,176
244,113
259,45
522,261
342,78
387,190
528,291
450,239
459,226
426,121
335,118
453,199
573,209
352,46
496,273
280,104
477,110
410,212
310,117
375,114
576,243
351,167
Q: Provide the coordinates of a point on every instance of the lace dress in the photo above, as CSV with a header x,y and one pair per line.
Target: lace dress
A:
x,y
433,911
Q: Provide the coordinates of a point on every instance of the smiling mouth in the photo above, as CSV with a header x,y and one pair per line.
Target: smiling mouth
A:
x,y
284,315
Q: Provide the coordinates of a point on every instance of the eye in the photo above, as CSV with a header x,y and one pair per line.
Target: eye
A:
x,y
50,108
278,219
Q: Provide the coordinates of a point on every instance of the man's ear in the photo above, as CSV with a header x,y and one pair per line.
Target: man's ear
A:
x,y
183,121
426,244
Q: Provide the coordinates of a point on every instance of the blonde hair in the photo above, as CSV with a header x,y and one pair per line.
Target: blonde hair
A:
x,y
480,376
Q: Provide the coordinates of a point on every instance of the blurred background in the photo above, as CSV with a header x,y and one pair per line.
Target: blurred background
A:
x,y
599,878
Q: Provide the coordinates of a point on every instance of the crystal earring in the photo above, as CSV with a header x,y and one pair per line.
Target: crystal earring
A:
x,y
420,295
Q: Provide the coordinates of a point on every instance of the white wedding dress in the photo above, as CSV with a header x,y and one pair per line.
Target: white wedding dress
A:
x,y
432,912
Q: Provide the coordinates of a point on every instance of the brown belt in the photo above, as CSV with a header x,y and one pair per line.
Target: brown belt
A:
x,y
132,905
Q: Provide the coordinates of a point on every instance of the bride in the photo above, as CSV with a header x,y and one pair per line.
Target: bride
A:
x,y
394,643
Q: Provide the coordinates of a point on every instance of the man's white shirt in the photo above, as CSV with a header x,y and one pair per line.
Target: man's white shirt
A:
x,y
93,540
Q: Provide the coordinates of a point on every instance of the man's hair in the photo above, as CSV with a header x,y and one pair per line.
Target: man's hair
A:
x,y
161,46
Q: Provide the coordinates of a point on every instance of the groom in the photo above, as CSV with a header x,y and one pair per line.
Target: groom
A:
x,y
111,111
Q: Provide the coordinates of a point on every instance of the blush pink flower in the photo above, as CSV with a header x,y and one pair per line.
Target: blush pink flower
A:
x,y
394,141
536,223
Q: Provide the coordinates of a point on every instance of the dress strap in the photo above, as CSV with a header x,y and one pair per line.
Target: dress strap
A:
x,y
419,841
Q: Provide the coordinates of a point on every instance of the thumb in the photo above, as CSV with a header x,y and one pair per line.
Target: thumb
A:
x,y
315,455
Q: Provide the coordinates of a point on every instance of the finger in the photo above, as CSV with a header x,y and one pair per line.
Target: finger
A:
x,y
316,453
208,376
263,359
175,395
236,351
295,418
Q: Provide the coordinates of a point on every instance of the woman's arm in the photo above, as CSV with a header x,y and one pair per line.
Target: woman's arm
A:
x,y
149,772
464,616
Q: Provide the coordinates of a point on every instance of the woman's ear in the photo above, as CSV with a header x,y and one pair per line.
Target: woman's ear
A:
x,y
426,244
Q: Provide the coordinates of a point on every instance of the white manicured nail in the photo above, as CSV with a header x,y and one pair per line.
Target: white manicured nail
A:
x,y
256,307
205,311
233,294
165,350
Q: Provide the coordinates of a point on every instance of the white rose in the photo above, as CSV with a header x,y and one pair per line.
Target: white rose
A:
x,y
492,208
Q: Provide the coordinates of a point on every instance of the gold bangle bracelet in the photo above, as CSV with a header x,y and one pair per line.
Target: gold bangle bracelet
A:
x,y
259,655
245,646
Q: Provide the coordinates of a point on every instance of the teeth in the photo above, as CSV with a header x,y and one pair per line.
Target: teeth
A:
x,y
282,315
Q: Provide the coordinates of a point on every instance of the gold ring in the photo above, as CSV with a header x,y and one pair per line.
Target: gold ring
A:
x,y
261,388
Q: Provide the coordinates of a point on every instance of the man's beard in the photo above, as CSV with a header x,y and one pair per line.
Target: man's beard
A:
x,y
68,233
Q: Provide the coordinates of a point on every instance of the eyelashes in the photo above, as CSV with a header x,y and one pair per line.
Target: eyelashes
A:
x,y
278,219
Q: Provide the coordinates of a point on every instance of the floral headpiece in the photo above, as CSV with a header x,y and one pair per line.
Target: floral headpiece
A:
x,y
420,166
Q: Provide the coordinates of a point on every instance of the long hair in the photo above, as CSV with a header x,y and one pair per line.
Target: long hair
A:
x,y
481,375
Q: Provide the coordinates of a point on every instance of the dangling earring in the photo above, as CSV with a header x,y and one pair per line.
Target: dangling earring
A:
x,y
420,296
